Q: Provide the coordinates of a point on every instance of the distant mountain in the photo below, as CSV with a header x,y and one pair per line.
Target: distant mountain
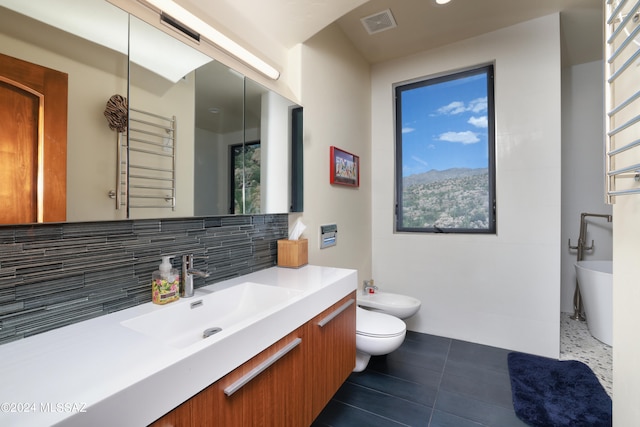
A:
x,y
436,175
451,199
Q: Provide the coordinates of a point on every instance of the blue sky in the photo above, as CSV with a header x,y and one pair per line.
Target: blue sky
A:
x,y
444,125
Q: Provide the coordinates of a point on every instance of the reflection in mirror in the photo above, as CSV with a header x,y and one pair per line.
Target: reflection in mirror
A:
x,y
242,145
96,63
160,161
232,141
219,126
269,117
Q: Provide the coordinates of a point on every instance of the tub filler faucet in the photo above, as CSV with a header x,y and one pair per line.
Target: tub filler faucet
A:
x,y
186,285
578,310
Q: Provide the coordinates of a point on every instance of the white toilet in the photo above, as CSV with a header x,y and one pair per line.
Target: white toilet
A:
x,y
376,334
379,325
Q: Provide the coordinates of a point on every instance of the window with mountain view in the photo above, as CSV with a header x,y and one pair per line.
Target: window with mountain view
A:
x,y
445,167
245,178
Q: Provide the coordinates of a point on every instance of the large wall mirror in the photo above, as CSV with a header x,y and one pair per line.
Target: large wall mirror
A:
x,y
201,138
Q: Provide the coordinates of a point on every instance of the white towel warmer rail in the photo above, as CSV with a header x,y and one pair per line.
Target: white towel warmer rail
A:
x,y
146,175
622,98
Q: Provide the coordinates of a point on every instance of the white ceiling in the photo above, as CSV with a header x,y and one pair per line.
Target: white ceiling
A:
x,y
422,24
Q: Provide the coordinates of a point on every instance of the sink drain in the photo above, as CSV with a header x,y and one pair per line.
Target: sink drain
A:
x,y
210,331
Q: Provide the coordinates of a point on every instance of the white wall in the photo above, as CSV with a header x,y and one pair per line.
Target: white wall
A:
x,y
501,290
583,186
335,94
626,322
626,268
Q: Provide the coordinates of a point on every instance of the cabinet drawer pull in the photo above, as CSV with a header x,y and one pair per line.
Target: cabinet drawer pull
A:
x,y
261,367
335,313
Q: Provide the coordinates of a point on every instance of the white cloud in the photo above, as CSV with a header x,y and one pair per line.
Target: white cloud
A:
x,y
480,122
419,160
477,105
467,137
455,107
407,130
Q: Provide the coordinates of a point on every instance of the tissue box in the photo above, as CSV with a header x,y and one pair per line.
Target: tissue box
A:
x,y
293,253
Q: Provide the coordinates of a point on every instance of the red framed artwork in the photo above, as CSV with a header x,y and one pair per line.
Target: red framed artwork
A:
x,y
344,168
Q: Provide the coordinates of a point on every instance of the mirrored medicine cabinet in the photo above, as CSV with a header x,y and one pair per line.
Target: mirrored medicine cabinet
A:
x,y
200,139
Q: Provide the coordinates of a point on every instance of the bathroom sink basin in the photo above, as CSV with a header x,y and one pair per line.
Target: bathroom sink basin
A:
x,y
212,316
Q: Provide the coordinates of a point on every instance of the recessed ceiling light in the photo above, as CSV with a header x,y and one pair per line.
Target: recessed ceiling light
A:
x,y
442,1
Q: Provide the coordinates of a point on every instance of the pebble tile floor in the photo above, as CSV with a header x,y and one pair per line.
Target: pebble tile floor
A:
x,y
576,343
433,381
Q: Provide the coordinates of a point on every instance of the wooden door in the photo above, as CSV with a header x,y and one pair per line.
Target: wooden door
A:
x,y
33,142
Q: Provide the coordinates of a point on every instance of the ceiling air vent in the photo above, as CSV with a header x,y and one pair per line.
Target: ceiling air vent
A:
x,y
380,21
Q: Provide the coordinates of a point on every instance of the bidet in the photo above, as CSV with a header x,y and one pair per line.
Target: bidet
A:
x,y
401,306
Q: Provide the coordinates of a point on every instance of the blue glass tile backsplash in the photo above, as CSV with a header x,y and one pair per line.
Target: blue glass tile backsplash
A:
x,y
52,275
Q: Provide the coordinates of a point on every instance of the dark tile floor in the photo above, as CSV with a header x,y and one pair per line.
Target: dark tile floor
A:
x,y
429,381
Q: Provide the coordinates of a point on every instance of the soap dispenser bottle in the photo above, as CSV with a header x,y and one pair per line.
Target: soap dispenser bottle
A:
x,y
165,283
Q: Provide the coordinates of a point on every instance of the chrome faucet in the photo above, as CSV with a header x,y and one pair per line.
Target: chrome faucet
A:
x,y
578,309
186,285
368,287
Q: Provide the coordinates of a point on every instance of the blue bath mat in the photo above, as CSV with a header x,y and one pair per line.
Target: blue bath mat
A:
x,y
552,393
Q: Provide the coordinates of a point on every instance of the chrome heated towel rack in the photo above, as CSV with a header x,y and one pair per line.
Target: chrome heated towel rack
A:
x,y
622,98
146,175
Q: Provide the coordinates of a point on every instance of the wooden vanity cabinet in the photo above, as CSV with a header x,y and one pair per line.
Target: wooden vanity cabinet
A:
x,y
273,397
331,336
180,416
287,385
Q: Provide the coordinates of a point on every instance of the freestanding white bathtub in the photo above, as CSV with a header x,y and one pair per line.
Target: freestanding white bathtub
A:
x,y
595,279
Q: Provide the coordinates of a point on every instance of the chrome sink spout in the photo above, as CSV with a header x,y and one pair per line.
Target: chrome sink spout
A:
x,y
186,286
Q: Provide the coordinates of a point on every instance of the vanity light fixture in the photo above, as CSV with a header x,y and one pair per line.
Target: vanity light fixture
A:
x,y
205,30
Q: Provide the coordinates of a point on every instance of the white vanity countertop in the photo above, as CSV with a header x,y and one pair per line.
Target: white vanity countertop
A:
x,y
98,372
